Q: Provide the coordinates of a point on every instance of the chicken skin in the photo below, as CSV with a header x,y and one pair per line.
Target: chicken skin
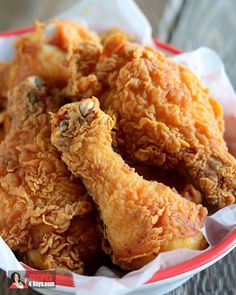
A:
x,y
165,117
141,218
46,215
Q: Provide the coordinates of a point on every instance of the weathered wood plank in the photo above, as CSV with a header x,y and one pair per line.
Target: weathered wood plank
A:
x,y
161,14
211,23
21,13
218,279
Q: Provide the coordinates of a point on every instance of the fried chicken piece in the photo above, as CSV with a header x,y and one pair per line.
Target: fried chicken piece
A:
x,y
46,215
47,51
61,52
82,82
165,117
106,34
173,178
141,218
77,248
189,192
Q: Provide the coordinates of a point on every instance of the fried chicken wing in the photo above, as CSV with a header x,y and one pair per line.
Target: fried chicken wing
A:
x,y
141,218
165,117
46,215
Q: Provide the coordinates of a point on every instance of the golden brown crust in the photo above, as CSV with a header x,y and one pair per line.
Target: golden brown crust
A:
x,y
46,52
165,117
39,198
110,32
141,217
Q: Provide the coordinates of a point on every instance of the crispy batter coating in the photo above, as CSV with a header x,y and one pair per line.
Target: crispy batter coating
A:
x,y
82,82
172,178
165,117
116,30
141,218
47,51
45,212
61,52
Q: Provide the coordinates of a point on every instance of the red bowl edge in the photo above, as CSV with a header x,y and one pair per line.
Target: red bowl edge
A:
x,y
16,32
189,265
229,242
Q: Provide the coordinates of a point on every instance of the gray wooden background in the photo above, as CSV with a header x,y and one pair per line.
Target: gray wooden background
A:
x,y
187,24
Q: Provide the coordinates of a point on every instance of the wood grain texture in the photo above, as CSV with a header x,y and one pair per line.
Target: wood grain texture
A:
x,y
19,13
211,23
218,279
162,15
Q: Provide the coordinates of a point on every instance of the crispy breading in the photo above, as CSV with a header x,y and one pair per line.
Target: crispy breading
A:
x,y
47,50
41,202
172,178
164,116
82,82
141,218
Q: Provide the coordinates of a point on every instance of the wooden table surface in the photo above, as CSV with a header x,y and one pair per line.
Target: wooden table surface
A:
x,y
187,24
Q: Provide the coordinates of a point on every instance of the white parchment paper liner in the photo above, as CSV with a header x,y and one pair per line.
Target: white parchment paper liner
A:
x,y
101,15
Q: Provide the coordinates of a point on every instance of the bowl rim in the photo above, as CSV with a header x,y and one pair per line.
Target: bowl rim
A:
x,y
229,242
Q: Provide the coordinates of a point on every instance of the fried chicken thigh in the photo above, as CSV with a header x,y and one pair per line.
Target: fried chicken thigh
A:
x,y
165,117
141,218
46,215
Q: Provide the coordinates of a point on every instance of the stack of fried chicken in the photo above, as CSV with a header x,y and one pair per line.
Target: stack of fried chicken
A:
x,y
107,147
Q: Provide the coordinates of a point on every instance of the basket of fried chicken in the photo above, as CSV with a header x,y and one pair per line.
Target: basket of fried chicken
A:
x,y
111,152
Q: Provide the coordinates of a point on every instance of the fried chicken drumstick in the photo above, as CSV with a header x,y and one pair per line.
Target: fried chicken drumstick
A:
x,y
45,212
141,218
165,117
